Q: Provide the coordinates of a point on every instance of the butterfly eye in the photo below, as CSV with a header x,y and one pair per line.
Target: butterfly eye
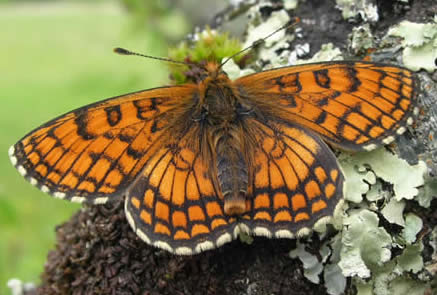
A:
x,y
243,109
199,117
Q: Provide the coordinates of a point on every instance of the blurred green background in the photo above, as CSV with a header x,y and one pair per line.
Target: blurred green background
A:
x,y
57,56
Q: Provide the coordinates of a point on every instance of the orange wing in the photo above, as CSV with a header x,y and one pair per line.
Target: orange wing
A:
x,y
354,105
174,204
297,181
95,152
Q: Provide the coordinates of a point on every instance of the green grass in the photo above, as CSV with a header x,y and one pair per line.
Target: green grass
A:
x,y
55,58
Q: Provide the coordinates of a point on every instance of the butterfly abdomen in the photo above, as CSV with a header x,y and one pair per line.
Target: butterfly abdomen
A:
x,y
232,176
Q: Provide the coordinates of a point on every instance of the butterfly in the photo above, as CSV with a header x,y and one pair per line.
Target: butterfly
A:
x,y
199,163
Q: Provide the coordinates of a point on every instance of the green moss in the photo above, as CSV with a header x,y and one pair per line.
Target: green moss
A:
x,y
211,46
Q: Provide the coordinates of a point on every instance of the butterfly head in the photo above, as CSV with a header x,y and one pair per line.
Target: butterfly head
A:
x,y
208,71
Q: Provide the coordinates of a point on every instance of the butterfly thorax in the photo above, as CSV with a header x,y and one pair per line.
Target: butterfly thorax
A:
x,y
220,101
221,108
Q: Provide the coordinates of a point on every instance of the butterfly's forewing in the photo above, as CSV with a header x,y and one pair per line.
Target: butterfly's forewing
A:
x,y
95,152
354,105
297,181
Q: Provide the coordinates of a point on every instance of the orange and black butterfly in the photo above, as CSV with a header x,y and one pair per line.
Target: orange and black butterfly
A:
x,y
199,163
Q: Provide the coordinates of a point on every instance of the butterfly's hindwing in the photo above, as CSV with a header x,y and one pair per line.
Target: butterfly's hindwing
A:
x,y
297,181
174,205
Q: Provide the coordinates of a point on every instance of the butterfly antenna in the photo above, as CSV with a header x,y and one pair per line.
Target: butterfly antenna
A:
x,y
123,51
284,27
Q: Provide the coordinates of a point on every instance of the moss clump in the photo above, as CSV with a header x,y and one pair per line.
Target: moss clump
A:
x,y
209,46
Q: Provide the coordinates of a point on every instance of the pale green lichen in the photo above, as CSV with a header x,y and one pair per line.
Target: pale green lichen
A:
x,y
365,244
392,169
352,8
414,34
432,267
233,70
363,247
256,32
413,225
311,265
259,29
434,241
381,278
335,281
290,4
326,53
411,259
357,182
366,247
419,42
363,288
377,192
361,39
427,193
421,57
406,286
393,212
390,280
